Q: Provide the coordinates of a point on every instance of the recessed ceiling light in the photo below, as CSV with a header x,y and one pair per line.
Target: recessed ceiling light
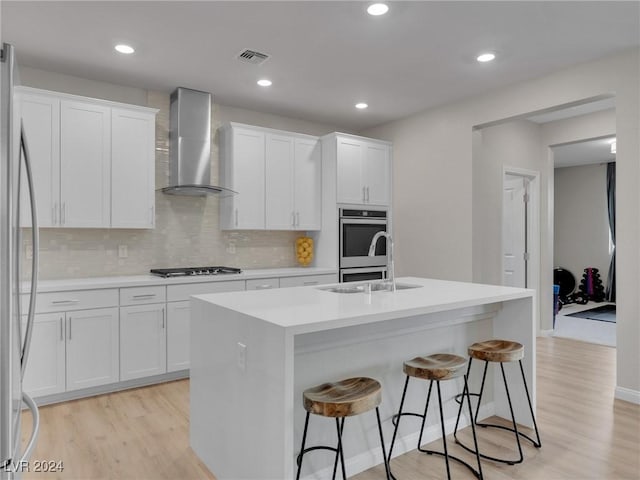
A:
x,y
264,82
377,9
361,106
486,57
126,49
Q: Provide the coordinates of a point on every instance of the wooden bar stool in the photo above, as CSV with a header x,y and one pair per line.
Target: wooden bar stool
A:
x,y
436,368
339,400
499,351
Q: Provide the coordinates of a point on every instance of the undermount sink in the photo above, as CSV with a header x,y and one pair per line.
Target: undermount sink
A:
x,y
367,287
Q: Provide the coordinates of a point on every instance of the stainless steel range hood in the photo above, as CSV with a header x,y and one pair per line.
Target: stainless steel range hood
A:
x,y
190,145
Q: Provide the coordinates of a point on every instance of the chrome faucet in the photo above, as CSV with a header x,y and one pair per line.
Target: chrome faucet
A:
x,y
372,251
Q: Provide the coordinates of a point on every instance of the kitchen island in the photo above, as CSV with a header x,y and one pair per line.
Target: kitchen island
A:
x,y
253,353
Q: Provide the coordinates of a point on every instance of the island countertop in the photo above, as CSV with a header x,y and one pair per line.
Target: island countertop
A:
x,y
310,309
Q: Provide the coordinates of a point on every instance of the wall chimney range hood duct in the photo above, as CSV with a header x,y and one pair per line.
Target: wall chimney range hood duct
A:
x,y
190,145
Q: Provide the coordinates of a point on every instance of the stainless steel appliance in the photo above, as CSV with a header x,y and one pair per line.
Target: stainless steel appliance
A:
x,y
14,345
357,228
190,145
193,271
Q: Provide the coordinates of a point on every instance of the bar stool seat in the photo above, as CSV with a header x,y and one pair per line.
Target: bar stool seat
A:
x,y
499,351
435,368
339,400
344,398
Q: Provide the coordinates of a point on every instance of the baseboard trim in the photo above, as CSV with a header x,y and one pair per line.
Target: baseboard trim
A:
x,y
545,333
627,395
371,458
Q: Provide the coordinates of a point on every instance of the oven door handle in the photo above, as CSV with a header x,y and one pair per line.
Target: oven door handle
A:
x,y
363,221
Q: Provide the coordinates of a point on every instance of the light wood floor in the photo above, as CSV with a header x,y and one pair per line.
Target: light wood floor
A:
x,y
143,433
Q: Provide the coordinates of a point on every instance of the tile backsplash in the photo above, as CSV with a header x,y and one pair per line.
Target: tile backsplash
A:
x,y
186,233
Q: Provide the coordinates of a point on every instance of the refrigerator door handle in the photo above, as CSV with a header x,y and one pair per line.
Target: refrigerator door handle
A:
x,y
35,239
35,429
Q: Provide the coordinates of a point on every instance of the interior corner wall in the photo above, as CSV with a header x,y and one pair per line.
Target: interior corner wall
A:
x,y
581,233
511,144
433,170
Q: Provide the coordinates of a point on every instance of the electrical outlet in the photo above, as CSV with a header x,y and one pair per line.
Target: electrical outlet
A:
x,y
242,356
123,251
28,251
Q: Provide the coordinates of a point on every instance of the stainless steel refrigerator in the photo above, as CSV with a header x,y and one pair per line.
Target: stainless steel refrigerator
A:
x,y
15,171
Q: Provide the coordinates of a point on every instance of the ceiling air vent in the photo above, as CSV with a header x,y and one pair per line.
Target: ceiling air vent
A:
x,y
253,57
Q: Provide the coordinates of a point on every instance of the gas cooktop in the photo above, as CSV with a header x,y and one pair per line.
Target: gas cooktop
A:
x,y
192,271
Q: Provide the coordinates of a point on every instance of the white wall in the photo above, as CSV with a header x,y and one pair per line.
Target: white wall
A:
x,y
433,172
581,233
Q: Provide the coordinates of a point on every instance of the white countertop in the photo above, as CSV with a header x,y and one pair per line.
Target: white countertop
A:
x,y
92,283
312,309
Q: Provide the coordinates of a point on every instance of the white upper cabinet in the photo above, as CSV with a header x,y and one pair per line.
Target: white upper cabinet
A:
x,y
93,161
307,184
363,171
242,152
40,117
277,176
279,202
132,169
85,155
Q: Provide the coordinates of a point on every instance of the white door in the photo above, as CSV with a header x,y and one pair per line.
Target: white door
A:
x,y
41,119
178,336
248,178
378,174
143,341
92,348
307,184
85,163
45,373
279,214
349,171
514,231
132,169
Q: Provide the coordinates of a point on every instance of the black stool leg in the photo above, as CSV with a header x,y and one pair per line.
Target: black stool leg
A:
x,y
513,417
339,453
384,455
444,435
484,377
398,416
424,416
537,444
304,438
465,392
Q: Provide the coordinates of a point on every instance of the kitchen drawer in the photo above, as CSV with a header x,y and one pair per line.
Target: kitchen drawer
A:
x,y
263,283
142,295
72,300
307,280
179,293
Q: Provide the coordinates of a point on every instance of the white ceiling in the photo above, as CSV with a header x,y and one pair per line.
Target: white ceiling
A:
x,y
583,153
325,56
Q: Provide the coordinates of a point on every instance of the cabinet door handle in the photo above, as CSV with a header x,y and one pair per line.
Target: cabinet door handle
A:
x,y
163,321
64,302
61,330
314,282
367,194
70,324
364,195
54,217
265,286
236,217
146,295
63,213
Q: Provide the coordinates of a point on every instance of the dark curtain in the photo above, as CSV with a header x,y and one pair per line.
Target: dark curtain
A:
x,y
611,202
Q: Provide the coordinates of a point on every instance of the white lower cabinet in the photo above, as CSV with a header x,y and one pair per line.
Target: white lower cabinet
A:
x,y
45,374
178,336
143,341
92,347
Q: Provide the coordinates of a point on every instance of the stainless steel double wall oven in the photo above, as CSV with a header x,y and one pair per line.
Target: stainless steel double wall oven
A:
x,y
357,228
